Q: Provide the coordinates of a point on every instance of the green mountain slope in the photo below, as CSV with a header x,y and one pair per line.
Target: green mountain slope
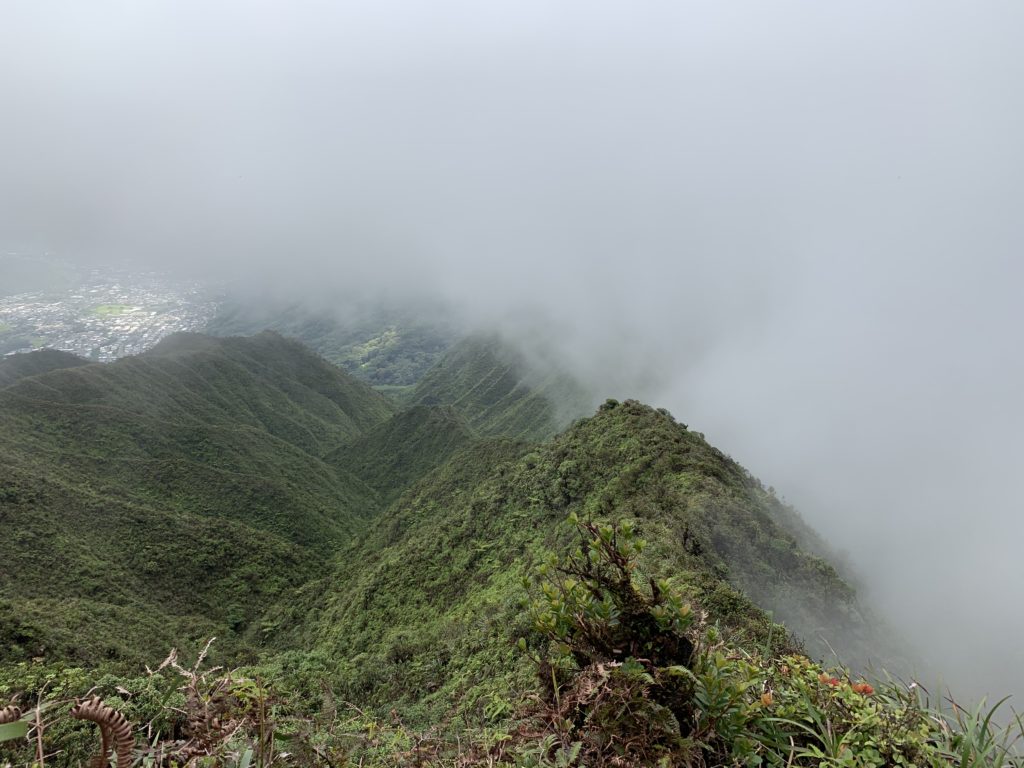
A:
x,y
174,493
23,365
403,449
422,614
372,571
499,393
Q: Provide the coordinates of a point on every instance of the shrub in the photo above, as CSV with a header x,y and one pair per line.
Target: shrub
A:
x,y
633,675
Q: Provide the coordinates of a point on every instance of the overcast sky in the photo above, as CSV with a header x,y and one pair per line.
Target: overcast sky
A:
x,y
797,225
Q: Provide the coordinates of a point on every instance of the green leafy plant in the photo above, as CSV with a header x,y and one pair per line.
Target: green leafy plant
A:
x,y
635,676
614,655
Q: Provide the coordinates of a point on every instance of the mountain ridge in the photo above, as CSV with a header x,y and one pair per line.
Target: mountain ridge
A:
x,y
500,393
161,438
488,522
166,431
348,549
24,365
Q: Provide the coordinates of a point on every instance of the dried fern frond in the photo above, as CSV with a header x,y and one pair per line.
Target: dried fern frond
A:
x,y
113,727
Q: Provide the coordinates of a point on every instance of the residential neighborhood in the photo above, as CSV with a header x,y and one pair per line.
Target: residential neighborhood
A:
x,y
110,314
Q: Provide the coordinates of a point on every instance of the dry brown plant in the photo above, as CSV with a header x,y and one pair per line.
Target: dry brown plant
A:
x,y
115,730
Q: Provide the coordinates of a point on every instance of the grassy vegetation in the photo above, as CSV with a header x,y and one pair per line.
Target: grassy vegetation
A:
x,y
172,495
639,677
399,394
402,588
403,449
112,310
22,366
627,670
499,393
421,615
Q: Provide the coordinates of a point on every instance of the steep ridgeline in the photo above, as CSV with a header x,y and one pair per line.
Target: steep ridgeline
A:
x,y
167,497
499,393
424,612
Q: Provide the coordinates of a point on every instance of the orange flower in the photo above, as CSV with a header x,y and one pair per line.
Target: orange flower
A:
x,y
863,688
767,699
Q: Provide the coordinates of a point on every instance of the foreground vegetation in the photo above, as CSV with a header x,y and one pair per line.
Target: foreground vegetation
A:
x,y
629,671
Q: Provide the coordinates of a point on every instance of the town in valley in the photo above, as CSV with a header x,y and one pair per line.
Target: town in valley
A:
x,y
103,314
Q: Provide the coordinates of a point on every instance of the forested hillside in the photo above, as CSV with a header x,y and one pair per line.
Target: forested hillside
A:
x,y
445,583
424,611
167,497
398,452
500,393
17,367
